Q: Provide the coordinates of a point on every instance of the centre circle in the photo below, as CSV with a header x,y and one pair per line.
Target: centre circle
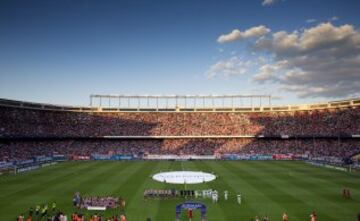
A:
x,y
184,177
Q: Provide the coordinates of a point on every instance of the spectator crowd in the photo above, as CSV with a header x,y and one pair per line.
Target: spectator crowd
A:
x,y
70,126
17,122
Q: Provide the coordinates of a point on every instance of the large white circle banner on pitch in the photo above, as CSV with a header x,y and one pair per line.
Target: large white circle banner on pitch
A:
x,y
184,177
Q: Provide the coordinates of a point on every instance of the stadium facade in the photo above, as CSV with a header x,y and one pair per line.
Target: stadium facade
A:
x,y
122,103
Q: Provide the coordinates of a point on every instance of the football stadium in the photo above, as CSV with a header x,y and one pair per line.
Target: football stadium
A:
x,y
236,162
179,110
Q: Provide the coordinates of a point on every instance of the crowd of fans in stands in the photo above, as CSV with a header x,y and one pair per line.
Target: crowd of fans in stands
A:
x,y
17,122
39,123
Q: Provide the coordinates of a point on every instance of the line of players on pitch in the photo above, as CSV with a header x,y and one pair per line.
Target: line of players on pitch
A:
x,y
214,195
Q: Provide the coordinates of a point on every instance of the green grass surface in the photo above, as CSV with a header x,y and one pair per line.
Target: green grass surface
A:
x,y
268,187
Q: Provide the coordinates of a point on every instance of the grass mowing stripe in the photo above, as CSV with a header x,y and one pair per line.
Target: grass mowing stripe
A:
x,y
231,207
325,192
259,183
326,174
106,182
39,192
256,199
335,182
106,185
134,181
85,184
168,207
12,189
215,211
34,174
134,187
330,172
279,200
287,192
81,183
328,195
44,182
228,207
164,206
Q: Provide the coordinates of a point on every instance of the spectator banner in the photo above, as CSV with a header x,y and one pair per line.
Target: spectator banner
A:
x,y
179,157
28,168
79,157
97,156
356,165
301,157
122,157
59,157
25,162
42,158
5,165
283,156
112,157
48,164
247,157
204,157
319,164
236,157
261,157
328,159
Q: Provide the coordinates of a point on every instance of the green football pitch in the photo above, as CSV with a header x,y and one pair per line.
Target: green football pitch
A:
x,y
267,188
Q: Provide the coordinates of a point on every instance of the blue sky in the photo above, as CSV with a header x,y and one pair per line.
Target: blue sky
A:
x,y
62,51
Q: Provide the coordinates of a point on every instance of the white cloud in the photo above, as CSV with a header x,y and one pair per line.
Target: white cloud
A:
x,y
334,18
232,66
261,60
322,61
267,72
236,34
326,35
268,2
323,36
311,20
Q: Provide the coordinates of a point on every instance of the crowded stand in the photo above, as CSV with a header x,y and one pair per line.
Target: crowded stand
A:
x,y
18,122
27,133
